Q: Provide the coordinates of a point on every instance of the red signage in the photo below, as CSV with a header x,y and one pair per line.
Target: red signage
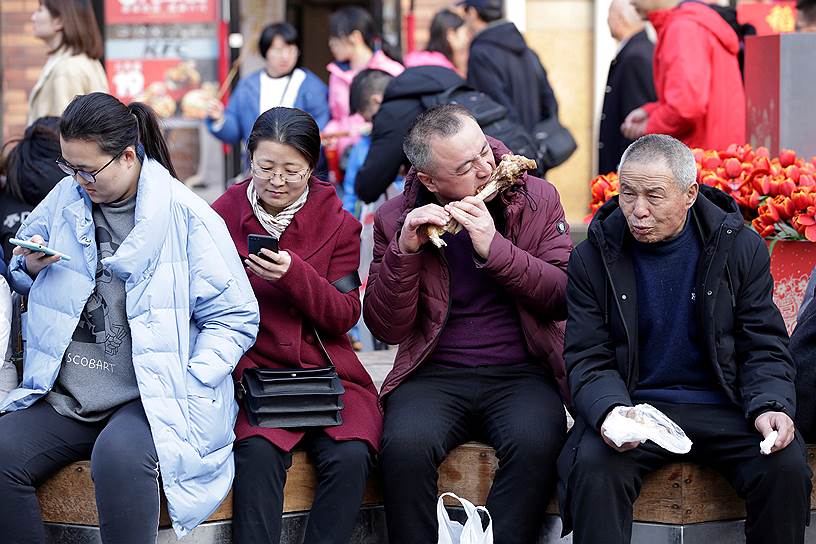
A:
x,y
159,11
775,18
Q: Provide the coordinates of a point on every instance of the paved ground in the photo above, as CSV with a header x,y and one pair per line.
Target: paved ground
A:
x,y
378,363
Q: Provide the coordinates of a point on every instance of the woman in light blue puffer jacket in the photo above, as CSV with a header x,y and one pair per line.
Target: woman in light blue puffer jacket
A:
x,y
130,344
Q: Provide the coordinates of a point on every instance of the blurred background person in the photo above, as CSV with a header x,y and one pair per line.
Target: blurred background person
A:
x,y
700,96
69,29
502,66
278,83
367,91
806,16
428,73
448,44
629,84
355,46
30,172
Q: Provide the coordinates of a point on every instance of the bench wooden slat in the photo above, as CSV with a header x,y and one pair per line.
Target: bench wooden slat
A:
x,y
679,493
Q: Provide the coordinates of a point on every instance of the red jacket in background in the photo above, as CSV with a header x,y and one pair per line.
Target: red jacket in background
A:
x,y
407,295
324,243
700,96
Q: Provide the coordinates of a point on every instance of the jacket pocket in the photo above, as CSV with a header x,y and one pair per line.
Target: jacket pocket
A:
x,y
210,415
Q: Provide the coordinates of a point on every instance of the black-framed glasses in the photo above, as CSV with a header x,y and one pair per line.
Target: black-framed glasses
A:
x,y
90,177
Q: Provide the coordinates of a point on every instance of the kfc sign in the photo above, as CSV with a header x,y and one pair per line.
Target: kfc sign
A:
x,y
159,11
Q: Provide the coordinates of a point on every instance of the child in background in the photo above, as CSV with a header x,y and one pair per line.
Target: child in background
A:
x,y
366,95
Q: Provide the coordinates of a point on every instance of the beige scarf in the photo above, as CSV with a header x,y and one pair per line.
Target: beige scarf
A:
x,y
275,224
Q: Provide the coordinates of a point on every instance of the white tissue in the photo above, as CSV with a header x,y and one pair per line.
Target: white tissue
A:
x,y
766,445
645,422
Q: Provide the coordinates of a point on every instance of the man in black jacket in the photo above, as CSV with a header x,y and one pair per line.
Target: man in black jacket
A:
x,y
629,85
401,103
669,303
502,66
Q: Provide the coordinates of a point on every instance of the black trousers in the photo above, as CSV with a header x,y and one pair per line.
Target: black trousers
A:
x,y
516,410
602,484
260,475
37,441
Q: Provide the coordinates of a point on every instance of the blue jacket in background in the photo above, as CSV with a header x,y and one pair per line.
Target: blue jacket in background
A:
x,y
244,106
356,160
192,315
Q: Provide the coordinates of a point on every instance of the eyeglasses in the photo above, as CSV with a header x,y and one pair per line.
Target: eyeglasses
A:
x,y
267,174
89,177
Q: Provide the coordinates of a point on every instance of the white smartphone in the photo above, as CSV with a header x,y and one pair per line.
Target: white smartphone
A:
x,y
39,247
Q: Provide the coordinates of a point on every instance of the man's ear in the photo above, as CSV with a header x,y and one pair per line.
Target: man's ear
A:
x,y
427,181
691,194
376,100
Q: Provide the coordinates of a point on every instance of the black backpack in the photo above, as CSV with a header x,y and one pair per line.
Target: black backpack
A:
x,y
492,117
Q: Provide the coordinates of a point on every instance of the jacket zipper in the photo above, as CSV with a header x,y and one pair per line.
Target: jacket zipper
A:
x,y
623,320
711,260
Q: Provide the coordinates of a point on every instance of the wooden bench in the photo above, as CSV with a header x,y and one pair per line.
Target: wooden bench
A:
x,y
680,493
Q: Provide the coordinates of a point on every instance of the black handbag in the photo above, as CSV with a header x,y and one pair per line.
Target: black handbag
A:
x,y
555,142
286,398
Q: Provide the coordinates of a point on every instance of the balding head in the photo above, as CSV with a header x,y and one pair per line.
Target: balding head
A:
x,y
623,20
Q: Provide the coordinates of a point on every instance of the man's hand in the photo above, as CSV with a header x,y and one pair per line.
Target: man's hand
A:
x,y
411,239
473,215
35,260
776,421
626,446
272,266
634,126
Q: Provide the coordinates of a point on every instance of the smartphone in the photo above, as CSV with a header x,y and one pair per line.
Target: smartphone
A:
x,y
39,247
257,242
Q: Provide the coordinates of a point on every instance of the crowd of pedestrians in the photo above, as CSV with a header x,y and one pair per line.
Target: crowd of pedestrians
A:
x,y
148,308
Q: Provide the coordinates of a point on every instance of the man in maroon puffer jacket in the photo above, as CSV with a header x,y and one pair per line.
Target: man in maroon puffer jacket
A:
x,y
478,325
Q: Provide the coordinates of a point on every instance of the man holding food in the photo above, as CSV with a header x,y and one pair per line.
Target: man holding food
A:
x,y
669,304
477,322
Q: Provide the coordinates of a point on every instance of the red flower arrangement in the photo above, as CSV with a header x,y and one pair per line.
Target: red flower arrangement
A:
x,y
777,196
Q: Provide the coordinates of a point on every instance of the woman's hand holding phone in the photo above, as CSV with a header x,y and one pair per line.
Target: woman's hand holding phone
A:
x,y
270,266
35,260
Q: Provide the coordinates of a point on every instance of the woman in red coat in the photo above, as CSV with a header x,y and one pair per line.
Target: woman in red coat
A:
x,y
319,244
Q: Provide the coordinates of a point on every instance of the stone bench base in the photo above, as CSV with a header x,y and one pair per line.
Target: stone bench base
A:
x,y
678,501
370,529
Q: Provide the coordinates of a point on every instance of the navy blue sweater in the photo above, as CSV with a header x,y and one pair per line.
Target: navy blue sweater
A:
x,y
672,367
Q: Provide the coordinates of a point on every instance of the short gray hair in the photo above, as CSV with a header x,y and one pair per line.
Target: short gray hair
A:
x,y
440,121
673,153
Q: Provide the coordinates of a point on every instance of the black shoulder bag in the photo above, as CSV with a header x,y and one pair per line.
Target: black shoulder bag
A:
x,y
554,140
285,398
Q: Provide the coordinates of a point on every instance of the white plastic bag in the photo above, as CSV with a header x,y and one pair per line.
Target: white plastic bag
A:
x,y
453,532
645,422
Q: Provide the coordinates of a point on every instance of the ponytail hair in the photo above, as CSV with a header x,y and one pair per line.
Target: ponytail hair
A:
x,y
150,135
104,120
